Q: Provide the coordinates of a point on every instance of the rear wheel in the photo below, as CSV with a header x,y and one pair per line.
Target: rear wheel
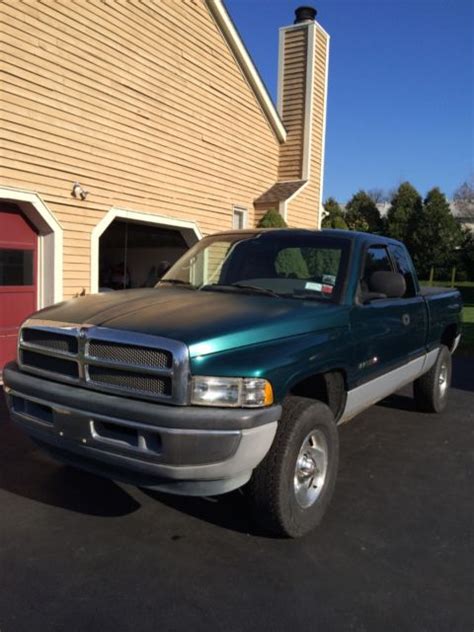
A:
x,y
292,487
431,389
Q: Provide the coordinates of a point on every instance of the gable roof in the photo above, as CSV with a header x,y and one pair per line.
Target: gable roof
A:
x,y
233,39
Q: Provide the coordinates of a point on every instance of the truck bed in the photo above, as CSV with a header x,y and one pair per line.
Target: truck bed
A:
x,y
426,290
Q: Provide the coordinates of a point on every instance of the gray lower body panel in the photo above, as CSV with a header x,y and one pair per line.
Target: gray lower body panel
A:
x,y
360,398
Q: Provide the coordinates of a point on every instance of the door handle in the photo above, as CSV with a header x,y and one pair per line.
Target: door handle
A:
x,y
406,319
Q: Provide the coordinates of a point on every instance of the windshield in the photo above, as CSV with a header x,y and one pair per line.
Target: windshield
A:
x,y
295,265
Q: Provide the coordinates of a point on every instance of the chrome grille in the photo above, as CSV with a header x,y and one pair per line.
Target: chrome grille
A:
x,y
50,340
154,384
138,356
50,364
108,360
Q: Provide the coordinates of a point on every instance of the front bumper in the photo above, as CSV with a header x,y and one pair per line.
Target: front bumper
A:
x,y
181,449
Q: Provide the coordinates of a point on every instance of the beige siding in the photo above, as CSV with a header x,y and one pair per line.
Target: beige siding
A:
x,y
142,102
292,102
303,210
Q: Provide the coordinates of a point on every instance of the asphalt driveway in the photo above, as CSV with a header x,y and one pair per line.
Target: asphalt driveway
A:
x,y
395,551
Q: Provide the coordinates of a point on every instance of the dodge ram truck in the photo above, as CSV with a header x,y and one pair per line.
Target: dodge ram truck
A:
x,y
237,368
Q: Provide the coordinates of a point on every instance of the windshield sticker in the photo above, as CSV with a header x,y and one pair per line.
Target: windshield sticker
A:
x,y
327,289
316,287
329,278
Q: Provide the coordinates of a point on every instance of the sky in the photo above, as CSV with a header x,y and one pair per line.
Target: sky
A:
x,y
401,87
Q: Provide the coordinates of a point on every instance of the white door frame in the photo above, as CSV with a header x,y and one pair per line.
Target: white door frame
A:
x,y
189,229
50,243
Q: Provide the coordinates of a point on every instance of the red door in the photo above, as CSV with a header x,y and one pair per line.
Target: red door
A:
x,y
18,276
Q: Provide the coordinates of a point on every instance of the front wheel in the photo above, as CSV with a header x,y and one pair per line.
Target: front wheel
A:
x,y
431,389
292,487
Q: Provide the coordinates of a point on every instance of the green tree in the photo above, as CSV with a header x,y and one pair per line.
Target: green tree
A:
x,y
466,257
290,261
436,234
362,213
272,219
322,262
405,206
335,216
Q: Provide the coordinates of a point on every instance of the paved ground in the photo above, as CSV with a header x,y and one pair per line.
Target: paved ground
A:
x,y
395,551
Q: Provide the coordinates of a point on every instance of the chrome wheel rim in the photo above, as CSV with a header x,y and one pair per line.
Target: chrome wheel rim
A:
x,y
443,380
311,469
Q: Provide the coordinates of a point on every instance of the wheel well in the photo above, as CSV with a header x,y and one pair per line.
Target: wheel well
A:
x,y
329,387
449,335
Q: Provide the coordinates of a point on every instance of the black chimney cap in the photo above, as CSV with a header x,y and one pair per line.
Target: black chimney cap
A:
x,y
305,14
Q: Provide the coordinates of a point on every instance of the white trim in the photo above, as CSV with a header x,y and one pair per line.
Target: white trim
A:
x,y
298,191
323,142
50,243
232,37
283,205
191,232
240,209
281,58
309,101
283,209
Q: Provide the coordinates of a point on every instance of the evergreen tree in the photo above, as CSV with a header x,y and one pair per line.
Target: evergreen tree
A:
x,y
335,216
466,257
405,206
362,214
436,234
322,262
290,261
272,219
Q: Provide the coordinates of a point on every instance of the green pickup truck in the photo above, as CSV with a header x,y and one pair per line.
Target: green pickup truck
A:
x,y
237,368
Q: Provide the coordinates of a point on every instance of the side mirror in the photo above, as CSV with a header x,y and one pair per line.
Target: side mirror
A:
x,y
389,284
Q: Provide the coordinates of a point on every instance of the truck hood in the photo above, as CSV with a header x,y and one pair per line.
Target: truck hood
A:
x,y
208,322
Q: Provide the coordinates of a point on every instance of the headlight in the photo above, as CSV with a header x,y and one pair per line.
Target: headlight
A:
x,y
231,391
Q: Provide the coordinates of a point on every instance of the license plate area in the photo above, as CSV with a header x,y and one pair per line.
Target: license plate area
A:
x,y
72,426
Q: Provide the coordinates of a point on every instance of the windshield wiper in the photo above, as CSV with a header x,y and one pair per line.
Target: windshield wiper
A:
x,y
186,284
220,287
256,289
305,296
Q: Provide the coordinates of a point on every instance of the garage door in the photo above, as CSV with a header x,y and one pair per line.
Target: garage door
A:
x,y
18,276
133,255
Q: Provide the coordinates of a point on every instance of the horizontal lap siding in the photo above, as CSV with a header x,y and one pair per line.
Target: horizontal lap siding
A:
x,y
293,97
303,211
142,102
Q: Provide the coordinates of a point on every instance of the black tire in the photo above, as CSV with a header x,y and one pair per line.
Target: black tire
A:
x,y
272,489
431,389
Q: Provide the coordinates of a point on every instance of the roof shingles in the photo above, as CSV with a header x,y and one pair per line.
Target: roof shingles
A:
x,y
279,192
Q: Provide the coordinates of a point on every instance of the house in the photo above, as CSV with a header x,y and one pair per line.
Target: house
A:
x,y
131,128
463,214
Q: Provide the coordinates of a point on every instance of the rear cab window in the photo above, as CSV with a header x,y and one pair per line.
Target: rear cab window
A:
x,y
404,266
376,259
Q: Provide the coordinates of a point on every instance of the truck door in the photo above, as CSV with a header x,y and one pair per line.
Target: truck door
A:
x,y
387,333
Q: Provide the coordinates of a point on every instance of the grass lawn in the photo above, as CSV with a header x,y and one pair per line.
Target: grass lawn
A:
x,y
467,290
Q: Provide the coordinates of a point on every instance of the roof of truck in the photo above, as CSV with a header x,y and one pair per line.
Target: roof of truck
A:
x,y
351,235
